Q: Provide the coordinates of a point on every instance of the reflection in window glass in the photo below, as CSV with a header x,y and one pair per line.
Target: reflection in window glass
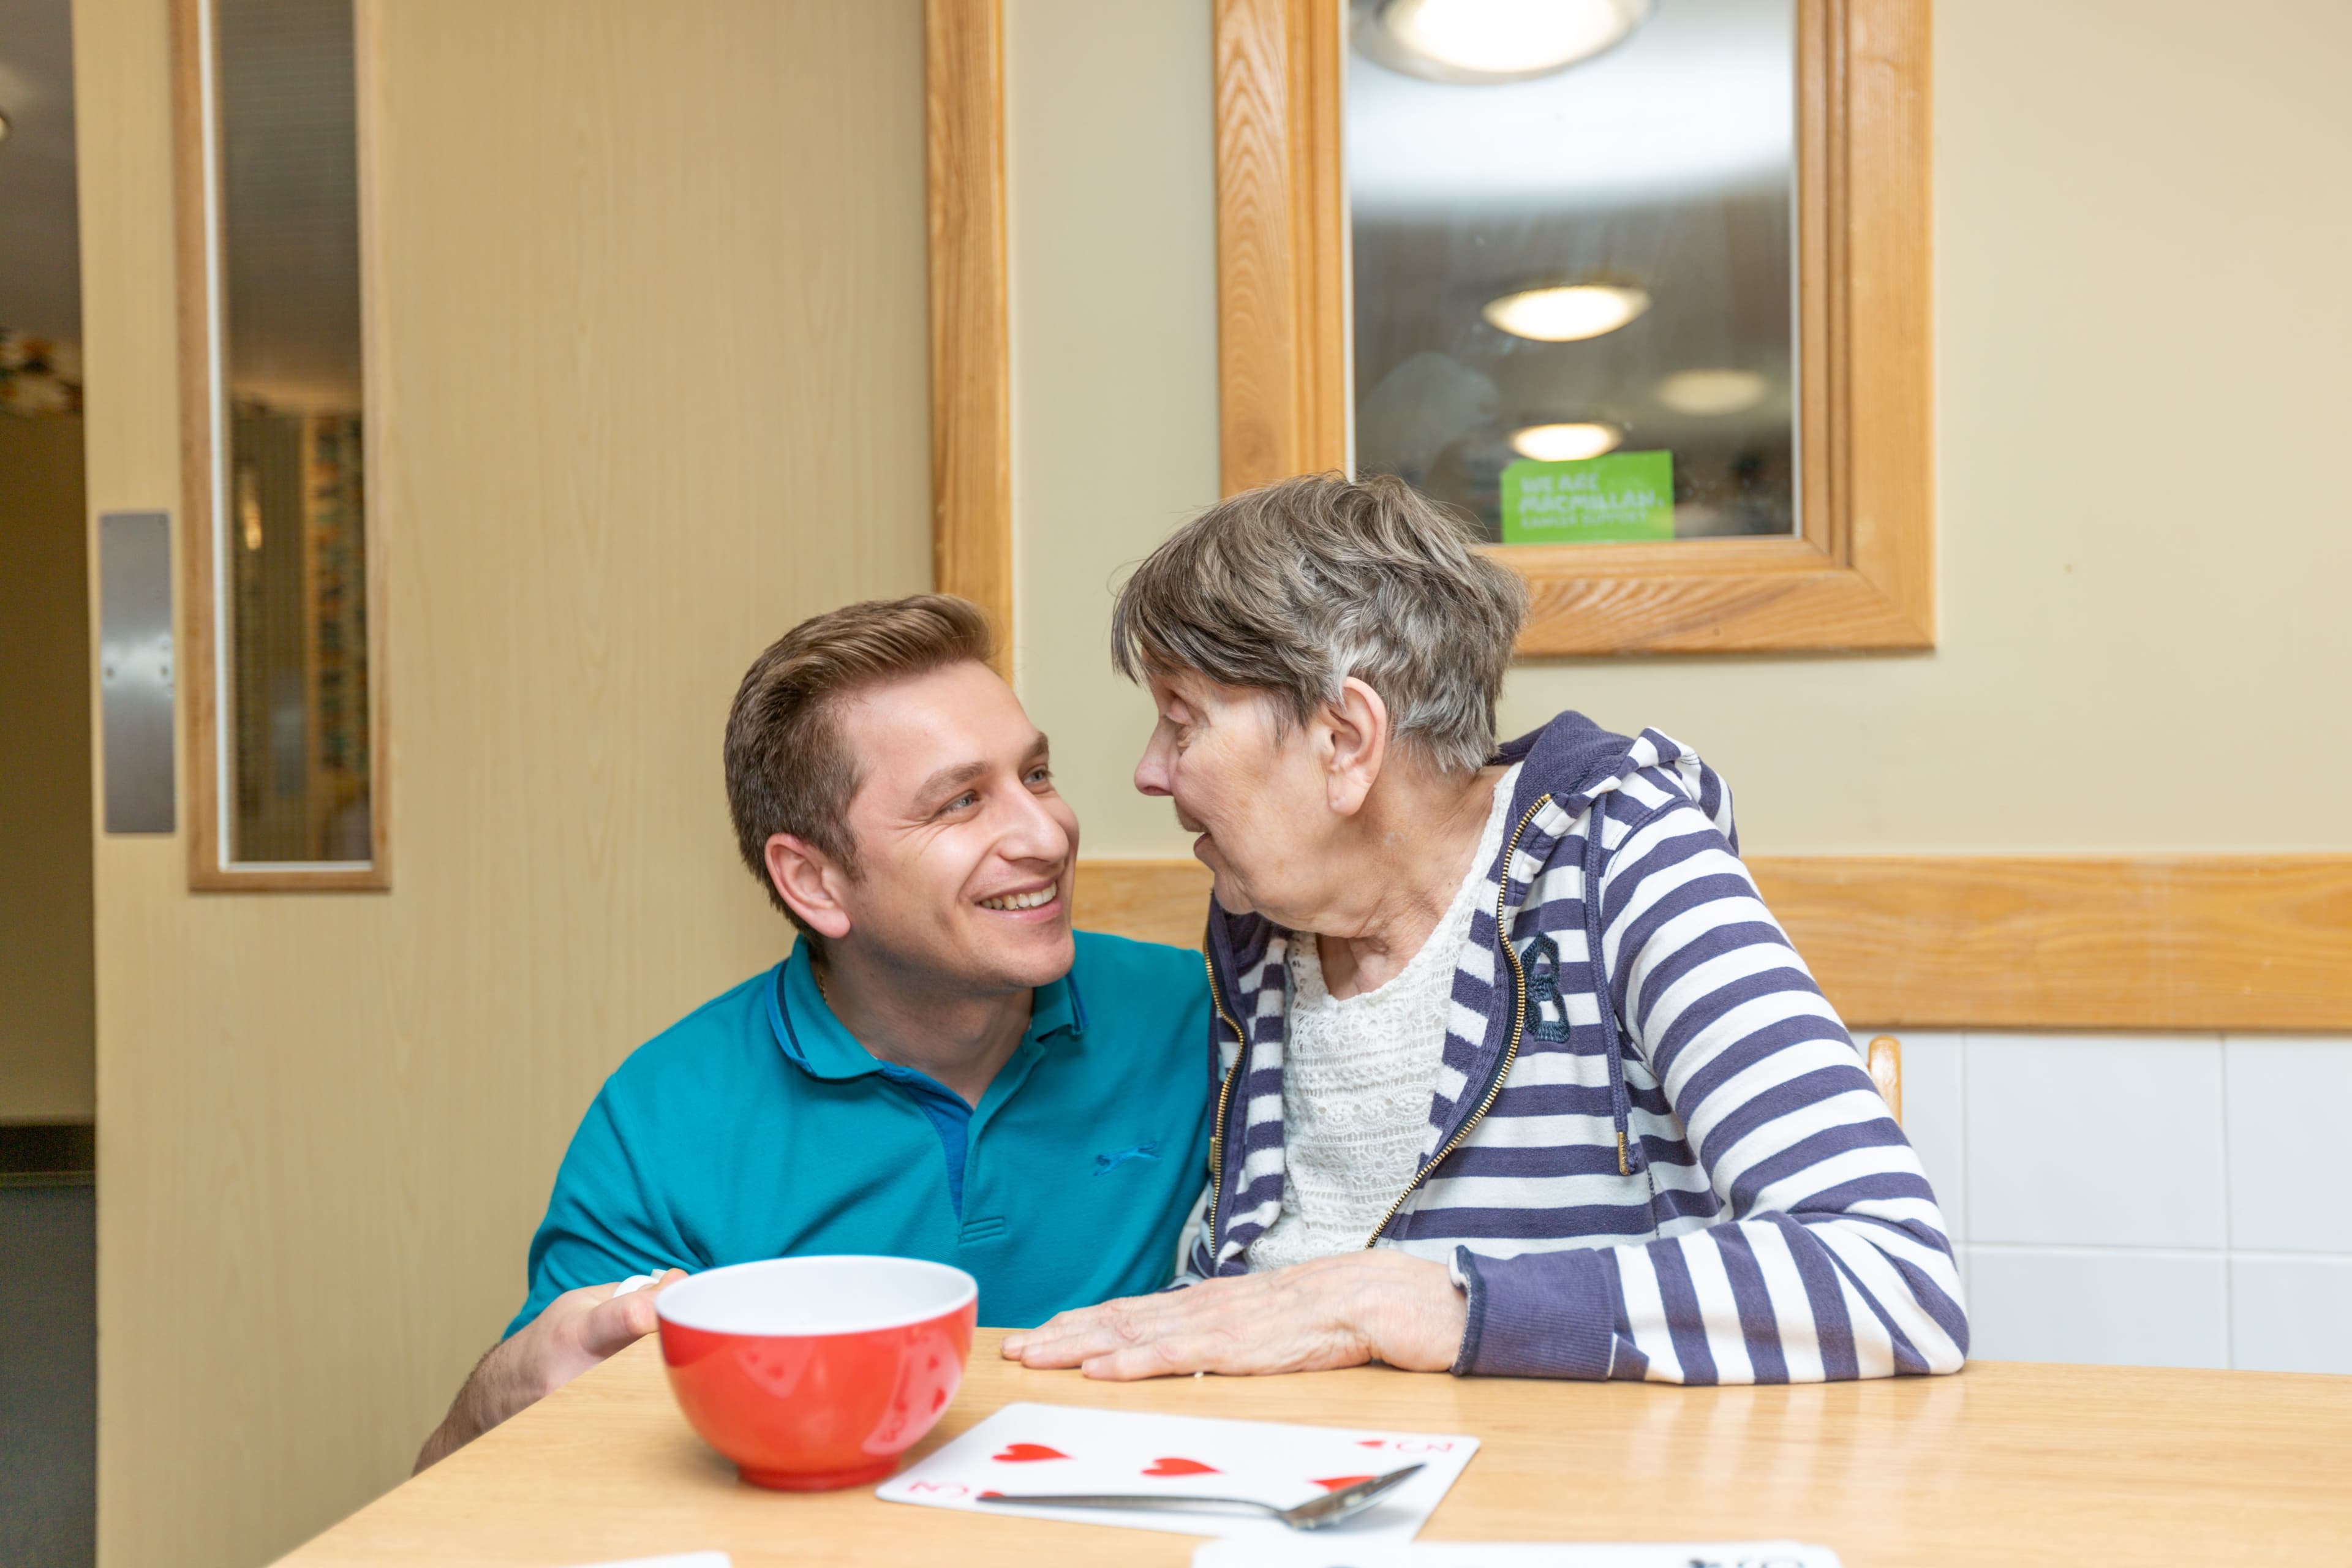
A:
x,y
292,508
1572,281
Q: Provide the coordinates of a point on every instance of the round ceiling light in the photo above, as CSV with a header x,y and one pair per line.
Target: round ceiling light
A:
x,y
1566,442
1566,313
1498,40
1709,392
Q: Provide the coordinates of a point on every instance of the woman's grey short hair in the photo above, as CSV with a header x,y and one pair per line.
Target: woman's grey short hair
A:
x,y
1293,587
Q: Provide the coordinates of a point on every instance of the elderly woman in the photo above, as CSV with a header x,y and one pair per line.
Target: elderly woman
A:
x,y
1519,1075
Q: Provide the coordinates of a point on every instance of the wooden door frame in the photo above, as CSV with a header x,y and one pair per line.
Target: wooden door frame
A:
x,y
971,340
204,438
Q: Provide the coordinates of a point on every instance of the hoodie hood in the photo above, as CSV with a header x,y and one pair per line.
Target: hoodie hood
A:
x,y
1572,760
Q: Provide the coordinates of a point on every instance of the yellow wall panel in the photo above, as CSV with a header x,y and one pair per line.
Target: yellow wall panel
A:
x,y
1110,131
652,389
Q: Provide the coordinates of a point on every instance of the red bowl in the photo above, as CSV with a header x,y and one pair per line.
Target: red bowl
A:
x,y
817,1372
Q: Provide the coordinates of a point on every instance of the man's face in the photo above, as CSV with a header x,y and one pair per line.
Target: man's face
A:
x,y
965,849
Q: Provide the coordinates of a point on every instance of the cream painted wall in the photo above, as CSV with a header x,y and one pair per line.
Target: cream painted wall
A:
x,y
46,1023
654,388
1112,211
2140,391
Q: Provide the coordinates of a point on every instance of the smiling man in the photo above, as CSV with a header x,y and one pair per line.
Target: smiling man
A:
x,y
940,1070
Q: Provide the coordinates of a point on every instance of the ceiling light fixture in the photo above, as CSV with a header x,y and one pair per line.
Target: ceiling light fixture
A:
x,y
1566,442
1478,41
1706,394
1566,313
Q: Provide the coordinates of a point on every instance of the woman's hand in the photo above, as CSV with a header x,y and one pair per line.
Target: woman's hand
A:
x,y
1333,1312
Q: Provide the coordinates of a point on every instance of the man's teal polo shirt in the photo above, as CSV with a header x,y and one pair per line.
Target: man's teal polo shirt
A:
x,y
758,1127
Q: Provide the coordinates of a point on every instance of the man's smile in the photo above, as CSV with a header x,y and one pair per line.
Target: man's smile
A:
x,y
1036,900
1020,900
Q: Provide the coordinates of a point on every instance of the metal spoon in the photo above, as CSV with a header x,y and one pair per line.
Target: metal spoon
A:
x,y
1315,1514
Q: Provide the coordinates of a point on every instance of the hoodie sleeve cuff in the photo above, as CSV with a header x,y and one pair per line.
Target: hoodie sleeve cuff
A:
x,y
1542,1314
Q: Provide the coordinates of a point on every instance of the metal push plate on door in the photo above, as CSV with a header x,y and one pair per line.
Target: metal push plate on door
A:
x,y
134,668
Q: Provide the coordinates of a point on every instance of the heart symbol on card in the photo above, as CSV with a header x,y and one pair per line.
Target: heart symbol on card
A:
x,y
1339,1483
1179,1468
1028,1453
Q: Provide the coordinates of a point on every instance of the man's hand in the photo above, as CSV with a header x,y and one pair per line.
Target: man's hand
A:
x,y
576,1330
1332,1312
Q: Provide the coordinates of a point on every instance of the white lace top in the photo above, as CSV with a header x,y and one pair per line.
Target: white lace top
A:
x,y
1358,1077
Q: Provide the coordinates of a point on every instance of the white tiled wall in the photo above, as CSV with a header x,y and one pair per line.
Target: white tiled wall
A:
x,y
2166,1200
2290,1160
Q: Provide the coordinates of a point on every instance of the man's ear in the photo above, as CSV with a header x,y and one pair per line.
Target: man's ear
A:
x,y
1355,736
809,880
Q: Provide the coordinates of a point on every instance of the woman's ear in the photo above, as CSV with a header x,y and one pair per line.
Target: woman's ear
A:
x,y
805,878
1355,743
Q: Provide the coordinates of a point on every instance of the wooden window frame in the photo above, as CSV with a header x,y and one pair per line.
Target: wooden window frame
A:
x,y
1860,571
203,437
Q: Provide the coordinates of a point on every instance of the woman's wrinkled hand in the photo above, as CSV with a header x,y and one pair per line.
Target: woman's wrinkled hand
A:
x,y
1332,1312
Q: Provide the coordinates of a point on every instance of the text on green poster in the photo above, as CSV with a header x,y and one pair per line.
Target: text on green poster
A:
x,y
1624,496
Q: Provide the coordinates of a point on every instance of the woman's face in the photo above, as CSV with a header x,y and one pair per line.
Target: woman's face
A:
x,y
1250,785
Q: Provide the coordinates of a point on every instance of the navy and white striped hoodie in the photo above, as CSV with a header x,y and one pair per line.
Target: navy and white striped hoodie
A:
x,y
1693,1181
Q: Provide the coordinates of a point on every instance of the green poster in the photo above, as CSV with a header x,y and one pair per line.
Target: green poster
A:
x,y
1625,495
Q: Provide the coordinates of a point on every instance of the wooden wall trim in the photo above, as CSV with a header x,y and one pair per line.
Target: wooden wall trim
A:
x,y
2172,942
1861,573
196,241
1150,900
972,388
2177,941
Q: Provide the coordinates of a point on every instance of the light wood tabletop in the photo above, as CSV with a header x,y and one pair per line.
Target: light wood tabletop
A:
x,y
2006,1463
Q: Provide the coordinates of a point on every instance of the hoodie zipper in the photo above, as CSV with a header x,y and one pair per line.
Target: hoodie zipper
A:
x,y
1224,1098
1519,1024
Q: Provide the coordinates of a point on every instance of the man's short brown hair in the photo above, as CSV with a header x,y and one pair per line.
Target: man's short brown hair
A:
x,y
788,768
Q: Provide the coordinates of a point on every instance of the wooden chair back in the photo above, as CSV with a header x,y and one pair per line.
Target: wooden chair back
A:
x,y
1885,1060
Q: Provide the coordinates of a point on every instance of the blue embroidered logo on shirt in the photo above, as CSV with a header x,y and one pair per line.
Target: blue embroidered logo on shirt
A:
x,y
1543,993
1112,1162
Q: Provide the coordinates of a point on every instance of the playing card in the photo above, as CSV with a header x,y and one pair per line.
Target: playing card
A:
x,y
1305,1551
1033,1448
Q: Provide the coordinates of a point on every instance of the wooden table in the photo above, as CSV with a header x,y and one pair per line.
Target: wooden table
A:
x,y
2006,1464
